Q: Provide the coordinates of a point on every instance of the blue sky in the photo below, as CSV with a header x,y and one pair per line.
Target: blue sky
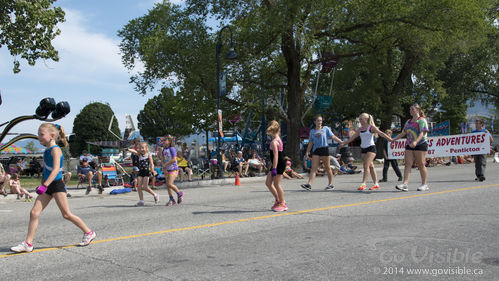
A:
x,y
89,69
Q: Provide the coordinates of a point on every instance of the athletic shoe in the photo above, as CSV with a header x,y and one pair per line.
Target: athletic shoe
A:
x,y
87,238
140,203
180,197
88,190
383,180
402,187
281,207
275,205
481,179
156,198
306,186
329,187
23,247
424,187
170,203
101,189
374,187
362,187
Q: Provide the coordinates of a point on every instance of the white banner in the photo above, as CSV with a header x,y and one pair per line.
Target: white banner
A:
x,y
445,146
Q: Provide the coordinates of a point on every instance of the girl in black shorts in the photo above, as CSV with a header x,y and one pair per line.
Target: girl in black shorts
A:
x,y
367,132
146,166
318,143
274,178
52,187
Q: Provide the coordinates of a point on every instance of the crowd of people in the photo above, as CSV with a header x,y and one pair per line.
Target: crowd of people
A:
x,y
170,163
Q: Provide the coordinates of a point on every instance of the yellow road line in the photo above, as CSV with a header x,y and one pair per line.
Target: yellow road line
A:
x,y
257,218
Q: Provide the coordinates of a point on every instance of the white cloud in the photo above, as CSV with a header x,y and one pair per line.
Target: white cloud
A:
x,y
84,50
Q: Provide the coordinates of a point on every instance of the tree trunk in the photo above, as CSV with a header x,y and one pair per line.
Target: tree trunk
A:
x,y
295,97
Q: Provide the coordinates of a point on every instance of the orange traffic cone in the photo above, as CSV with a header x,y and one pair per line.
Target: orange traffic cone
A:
x,y
238,182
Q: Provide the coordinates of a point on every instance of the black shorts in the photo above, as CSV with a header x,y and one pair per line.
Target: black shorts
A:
x,y
420,147
56,186
321,151
371,148
144,173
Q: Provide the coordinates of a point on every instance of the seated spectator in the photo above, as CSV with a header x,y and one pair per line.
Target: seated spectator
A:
x,y
183,166
289,173
335,164
255,163
15,188
87,173
89,157
21,166
4,180
225,161
347,167
238,164
35,168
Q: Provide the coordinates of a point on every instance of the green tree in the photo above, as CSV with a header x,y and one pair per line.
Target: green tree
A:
x,y
389,51
27,28
165,114
92,124
31,146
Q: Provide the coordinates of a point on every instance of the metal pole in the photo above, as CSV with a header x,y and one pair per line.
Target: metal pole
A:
x,y
219,155
233,55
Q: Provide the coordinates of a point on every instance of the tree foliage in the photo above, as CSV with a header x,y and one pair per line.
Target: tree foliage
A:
x,y
390,52
92,124
165,114
27,28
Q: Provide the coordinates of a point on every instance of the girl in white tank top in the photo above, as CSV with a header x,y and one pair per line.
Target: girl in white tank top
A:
x,y
367,131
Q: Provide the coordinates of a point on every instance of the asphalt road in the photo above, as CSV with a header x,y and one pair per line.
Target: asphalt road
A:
x,y
229,233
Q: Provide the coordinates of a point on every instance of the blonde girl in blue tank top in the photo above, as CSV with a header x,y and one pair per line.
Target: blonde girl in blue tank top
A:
x,y
367,132
52,186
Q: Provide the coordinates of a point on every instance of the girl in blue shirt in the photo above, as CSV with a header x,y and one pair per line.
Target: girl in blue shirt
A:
x,y
52,187
320,151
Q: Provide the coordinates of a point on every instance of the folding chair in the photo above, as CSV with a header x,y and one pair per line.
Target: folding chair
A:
x,y
110,175
83,182
202,168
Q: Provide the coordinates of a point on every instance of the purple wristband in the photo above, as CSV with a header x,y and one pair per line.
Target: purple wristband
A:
x,y
41,189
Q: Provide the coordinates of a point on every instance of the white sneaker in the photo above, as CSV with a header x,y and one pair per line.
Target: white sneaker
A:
x,y
87,238
329,187
402,187
23,247
140,203
424,187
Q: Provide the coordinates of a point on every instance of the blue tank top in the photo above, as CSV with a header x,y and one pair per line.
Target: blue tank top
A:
x,y
48,164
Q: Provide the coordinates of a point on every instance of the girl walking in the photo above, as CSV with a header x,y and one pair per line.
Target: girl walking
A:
x,y
416,130
367,132
146,167
274,178
320,152
170,169
52,187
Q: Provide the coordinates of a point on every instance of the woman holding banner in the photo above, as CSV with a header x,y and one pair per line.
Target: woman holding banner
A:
x,y
416,130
